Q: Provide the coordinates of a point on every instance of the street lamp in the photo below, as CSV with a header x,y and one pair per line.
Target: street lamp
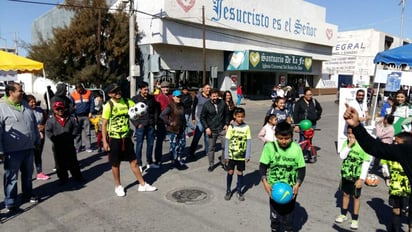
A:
x,y
133,68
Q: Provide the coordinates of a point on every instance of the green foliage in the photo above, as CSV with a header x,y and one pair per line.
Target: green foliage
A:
x,y
94,34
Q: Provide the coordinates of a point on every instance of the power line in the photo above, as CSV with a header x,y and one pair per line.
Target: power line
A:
x,y
262,41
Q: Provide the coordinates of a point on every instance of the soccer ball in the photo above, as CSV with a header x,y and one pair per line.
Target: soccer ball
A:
x,y
372,180
137,110
282,193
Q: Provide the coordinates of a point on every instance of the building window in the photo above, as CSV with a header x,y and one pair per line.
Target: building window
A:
x,y
388,42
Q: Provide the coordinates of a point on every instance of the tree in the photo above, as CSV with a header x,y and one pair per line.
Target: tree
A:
x,y
93,49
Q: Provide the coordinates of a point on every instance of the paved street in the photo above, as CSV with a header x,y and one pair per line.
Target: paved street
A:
x,y
93,206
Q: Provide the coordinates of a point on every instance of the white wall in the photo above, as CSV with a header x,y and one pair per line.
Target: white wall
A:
x,y
354,53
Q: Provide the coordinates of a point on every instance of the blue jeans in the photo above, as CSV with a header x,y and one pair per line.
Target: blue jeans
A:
x,y
199,131
177,145
289,107
239,98
147,131
189,124
13,162
160,137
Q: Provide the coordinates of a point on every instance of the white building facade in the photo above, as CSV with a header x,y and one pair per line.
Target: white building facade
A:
x,y
353,54
255,45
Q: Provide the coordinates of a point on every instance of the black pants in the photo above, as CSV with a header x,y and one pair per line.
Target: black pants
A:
x,y
281,215
66,161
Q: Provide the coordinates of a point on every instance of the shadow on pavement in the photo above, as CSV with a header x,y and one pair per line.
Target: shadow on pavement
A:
x,y
301,217
383,212
97,170
5,217
338,228
251,179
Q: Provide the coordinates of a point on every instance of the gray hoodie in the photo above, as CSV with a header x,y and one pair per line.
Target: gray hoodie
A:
x,y
18,129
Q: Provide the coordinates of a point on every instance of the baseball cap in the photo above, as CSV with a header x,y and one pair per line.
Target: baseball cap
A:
x,y
164,84
112,88
58,105
177,93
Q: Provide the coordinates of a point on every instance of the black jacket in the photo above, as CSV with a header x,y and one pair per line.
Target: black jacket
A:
x,y
187,101
213,120
62,137
290,96
303,110
153,111
60,96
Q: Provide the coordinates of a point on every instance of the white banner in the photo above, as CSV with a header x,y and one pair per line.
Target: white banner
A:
x,y
347,95
381,76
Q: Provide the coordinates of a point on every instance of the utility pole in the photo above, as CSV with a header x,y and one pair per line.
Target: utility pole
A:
x,y
402,3
132,50
204,44
15,44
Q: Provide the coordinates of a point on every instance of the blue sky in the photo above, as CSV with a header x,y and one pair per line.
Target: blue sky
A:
x,y
17,18
384,15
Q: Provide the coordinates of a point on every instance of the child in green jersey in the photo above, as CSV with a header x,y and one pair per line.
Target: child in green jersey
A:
x,y
282,160
399,186
354,170
238,143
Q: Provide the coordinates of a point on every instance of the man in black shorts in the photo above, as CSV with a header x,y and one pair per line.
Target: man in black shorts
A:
x,y
117,140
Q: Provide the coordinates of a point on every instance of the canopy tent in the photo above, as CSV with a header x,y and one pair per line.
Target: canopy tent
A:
x,y
398,56
11,62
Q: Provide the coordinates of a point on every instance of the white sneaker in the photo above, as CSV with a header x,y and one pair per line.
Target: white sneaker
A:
x,y
119,191
354,225
341,218
146,188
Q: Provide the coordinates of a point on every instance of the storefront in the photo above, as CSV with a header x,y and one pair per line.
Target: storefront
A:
x,y
240,42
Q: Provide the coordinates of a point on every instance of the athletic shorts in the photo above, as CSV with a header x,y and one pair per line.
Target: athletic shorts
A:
x,y
240,165
348,187
398,202
121,150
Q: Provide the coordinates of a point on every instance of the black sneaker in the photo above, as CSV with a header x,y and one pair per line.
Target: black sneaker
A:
x,y
31,199
176,163
228,195
240,197
210,169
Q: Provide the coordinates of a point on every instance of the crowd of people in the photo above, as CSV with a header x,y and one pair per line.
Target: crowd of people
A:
x,y
177,115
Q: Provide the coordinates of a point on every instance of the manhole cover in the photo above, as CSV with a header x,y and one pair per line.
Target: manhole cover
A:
x,y
188,195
